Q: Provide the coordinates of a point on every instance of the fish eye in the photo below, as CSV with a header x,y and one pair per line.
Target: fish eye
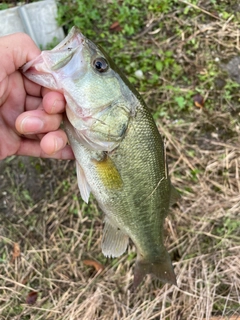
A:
x,y
100,64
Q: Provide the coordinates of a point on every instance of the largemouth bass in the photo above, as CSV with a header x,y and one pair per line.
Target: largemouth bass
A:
x,y
119,152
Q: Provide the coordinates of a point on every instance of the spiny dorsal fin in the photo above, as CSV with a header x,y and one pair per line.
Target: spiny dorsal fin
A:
x,y
114,241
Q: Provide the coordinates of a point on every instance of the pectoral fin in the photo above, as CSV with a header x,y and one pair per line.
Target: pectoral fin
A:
x,y
82,183
108,173
114,241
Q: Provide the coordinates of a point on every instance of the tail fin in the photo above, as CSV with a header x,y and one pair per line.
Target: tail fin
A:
x,y
160,267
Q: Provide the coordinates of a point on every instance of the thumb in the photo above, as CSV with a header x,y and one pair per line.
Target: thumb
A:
x,y
15,50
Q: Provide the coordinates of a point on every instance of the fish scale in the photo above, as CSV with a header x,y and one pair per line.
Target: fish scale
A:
x,y
140,196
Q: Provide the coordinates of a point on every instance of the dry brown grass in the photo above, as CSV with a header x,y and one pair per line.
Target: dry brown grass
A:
x,y
41,212
54,240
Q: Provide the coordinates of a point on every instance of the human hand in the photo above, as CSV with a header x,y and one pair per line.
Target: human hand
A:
x,y
30,115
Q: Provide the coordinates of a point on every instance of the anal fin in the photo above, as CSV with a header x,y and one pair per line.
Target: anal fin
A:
x,y
114,241
82,183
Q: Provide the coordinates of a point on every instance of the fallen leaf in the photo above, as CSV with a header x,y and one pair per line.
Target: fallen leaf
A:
x,y
32,297
98,266
16,251
115,27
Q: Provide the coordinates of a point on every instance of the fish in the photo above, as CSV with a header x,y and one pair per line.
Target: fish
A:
x,y
120,155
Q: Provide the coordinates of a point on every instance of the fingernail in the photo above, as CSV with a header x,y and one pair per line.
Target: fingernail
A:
x,y
57,104
58,144
31,125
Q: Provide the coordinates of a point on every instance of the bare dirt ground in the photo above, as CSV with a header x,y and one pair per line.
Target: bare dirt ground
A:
x,y
47,233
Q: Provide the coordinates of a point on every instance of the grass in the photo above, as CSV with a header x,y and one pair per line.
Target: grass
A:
x,y
182,49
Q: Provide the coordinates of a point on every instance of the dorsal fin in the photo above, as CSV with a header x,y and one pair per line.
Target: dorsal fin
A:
x,y
114,241
175,196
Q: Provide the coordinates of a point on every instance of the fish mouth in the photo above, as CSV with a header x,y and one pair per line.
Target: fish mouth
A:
x,y
50,65
74,39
